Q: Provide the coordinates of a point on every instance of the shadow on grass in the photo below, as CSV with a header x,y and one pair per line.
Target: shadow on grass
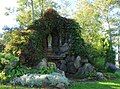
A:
x,y
114,84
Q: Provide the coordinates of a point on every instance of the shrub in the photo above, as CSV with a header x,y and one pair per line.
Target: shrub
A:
x,y
19,70
2,76
7,59
110,75
7,62
117,73
15,41
46,70
110,55
100,63
16,71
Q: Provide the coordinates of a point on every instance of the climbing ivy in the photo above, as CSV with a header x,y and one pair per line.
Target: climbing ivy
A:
x,y
78,46
53,22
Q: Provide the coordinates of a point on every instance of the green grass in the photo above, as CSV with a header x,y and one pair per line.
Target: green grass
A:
x,y
14,87
113,84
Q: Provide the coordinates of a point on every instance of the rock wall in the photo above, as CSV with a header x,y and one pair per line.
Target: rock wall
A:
x,y
76,67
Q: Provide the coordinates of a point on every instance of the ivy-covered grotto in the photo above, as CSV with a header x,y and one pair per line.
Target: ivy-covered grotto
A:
x,y
57,39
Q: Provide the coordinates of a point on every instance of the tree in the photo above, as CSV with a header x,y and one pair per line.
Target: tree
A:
x,y
96,17
109,12
32,10
92,16
88,16
104,8
29,10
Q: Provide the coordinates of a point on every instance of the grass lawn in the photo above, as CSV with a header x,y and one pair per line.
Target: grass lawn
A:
x,y
13,87
112,84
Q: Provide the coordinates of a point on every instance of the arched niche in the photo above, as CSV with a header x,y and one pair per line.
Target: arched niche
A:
x,y
49,39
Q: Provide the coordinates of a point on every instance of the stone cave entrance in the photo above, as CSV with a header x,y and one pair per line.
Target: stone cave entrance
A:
x,y
52,44
56,44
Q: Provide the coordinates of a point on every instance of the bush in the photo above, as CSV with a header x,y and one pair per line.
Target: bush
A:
x,y
2,76
7,59
117,73
110,75
110,55
100,55
7,62
49,69
100,63
15,41
19,70
46,70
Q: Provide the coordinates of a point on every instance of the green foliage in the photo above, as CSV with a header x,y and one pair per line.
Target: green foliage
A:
x,y
99,49
6,59
87,17
16,41
110,55
117,74
46,70
24,16
12,72
78,45
19,70
7,36
100,63
110,75
20,43
2,45
52,22
2,76
37,41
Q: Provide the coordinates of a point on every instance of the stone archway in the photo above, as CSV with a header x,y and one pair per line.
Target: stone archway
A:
x,y
52,43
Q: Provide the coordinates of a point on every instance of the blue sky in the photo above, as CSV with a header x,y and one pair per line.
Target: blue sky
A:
x,y
7,20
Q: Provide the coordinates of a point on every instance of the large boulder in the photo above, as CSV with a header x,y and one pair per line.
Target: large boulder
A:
x,y
85,71
84,61
60,72
69,59
63,66
64,48
100,76
111,67
77,63
61,86
71,68
43,63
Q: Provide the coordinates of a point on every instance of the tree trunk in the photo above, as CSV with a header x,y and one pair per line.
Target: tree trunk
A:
x,y
33,14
